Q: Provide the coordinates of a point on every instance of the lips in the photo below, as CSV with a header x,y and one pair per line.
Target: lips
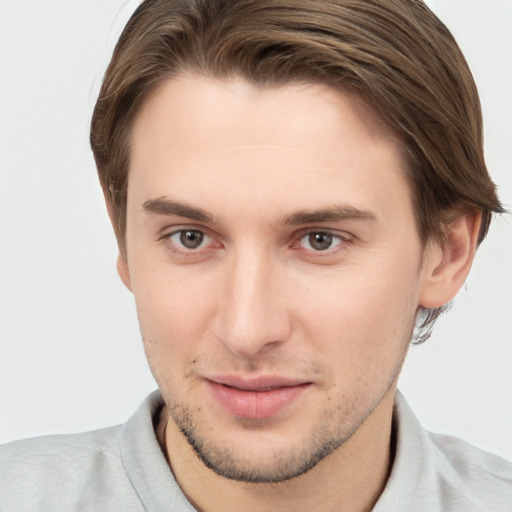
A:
x,y
255,398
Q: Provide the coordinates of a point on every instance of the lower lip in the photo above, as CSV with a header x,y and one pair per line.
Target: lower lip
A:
x,y
255,404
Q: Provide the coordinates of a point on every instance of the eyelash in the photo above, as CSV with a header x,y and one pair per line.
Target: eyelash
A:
x,y
342,241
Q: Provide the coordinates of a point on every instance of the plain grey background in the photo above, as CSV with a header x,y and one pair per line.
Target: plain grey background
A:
x,y
71,358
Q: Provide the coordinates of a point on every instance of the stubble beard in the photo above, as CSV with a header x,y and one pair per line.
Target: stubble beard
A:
x,y
333,429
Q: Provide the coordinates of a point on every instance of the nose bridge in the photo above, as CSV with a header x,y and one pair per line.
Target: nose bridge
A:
x,y
252,314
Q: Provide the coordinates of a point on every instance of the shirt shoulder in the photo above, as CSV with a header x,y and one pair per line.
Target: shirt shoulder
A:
x,y
117,469
435,472
470,473
64,472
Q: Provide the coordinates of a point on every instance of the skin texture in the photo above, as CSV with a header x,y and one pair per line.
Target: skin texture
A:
x,y
303,263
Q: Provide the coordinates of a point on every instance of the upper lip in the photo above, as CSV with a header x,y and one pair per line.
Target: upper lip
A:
x,y
261,383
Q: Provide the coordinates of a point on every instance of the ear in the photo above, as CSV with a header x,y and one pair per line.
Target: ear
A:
x,y
122,263
124,271
447,263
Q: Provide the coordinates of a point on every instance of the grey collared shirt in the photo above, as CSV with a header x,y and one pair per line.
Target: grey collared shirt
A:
x,y
122,469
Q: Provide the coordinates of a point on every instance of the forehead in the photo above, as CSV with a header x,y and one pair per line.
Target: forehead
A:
x,y
269,148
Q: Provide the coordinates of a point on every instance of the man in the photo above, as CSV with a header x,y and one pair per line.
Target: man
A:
x,y
294,187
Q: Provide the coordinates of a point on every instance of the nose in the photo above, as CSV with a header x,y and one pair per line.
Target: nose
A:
x,y
253,314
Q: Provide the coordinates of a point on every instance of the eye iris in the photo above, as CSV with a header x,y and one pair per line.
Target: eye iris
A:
x,y
191,238
320,241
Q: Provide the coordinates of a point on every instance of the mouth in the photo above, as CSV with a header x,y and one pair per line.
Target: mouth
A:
x,y
257,398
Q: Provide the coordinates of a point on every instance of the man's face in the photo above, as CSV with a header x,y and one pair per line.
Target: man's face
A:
x,y
275,263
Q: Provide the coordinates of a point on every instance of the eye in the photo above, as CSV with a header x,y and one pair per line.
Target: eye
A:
x,y
320,241
189,238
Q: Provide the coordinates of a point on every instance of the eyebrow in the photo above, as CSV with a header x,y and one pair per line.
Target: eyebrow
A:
x,y
163,206
331,214
335,213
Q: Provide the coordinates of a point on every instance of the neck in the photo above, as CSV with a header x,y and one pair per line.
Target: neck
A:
x,y
350,479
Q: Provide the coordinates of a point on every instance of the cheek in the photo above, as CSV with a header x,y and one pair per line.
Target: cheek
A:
x,y
361,311
173,309
173,317
361,336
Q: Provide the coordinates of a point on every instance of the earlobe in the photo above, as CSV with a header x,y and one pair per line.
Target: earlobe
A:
x,y
124,271
448,263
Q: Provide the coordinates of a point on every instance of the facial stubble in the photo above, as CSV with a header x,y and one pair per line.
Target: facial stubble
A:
x,y
333,428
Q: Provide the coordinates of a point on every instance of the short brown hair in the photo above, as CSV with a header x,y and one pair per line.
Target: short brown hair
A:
x,y
394,53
